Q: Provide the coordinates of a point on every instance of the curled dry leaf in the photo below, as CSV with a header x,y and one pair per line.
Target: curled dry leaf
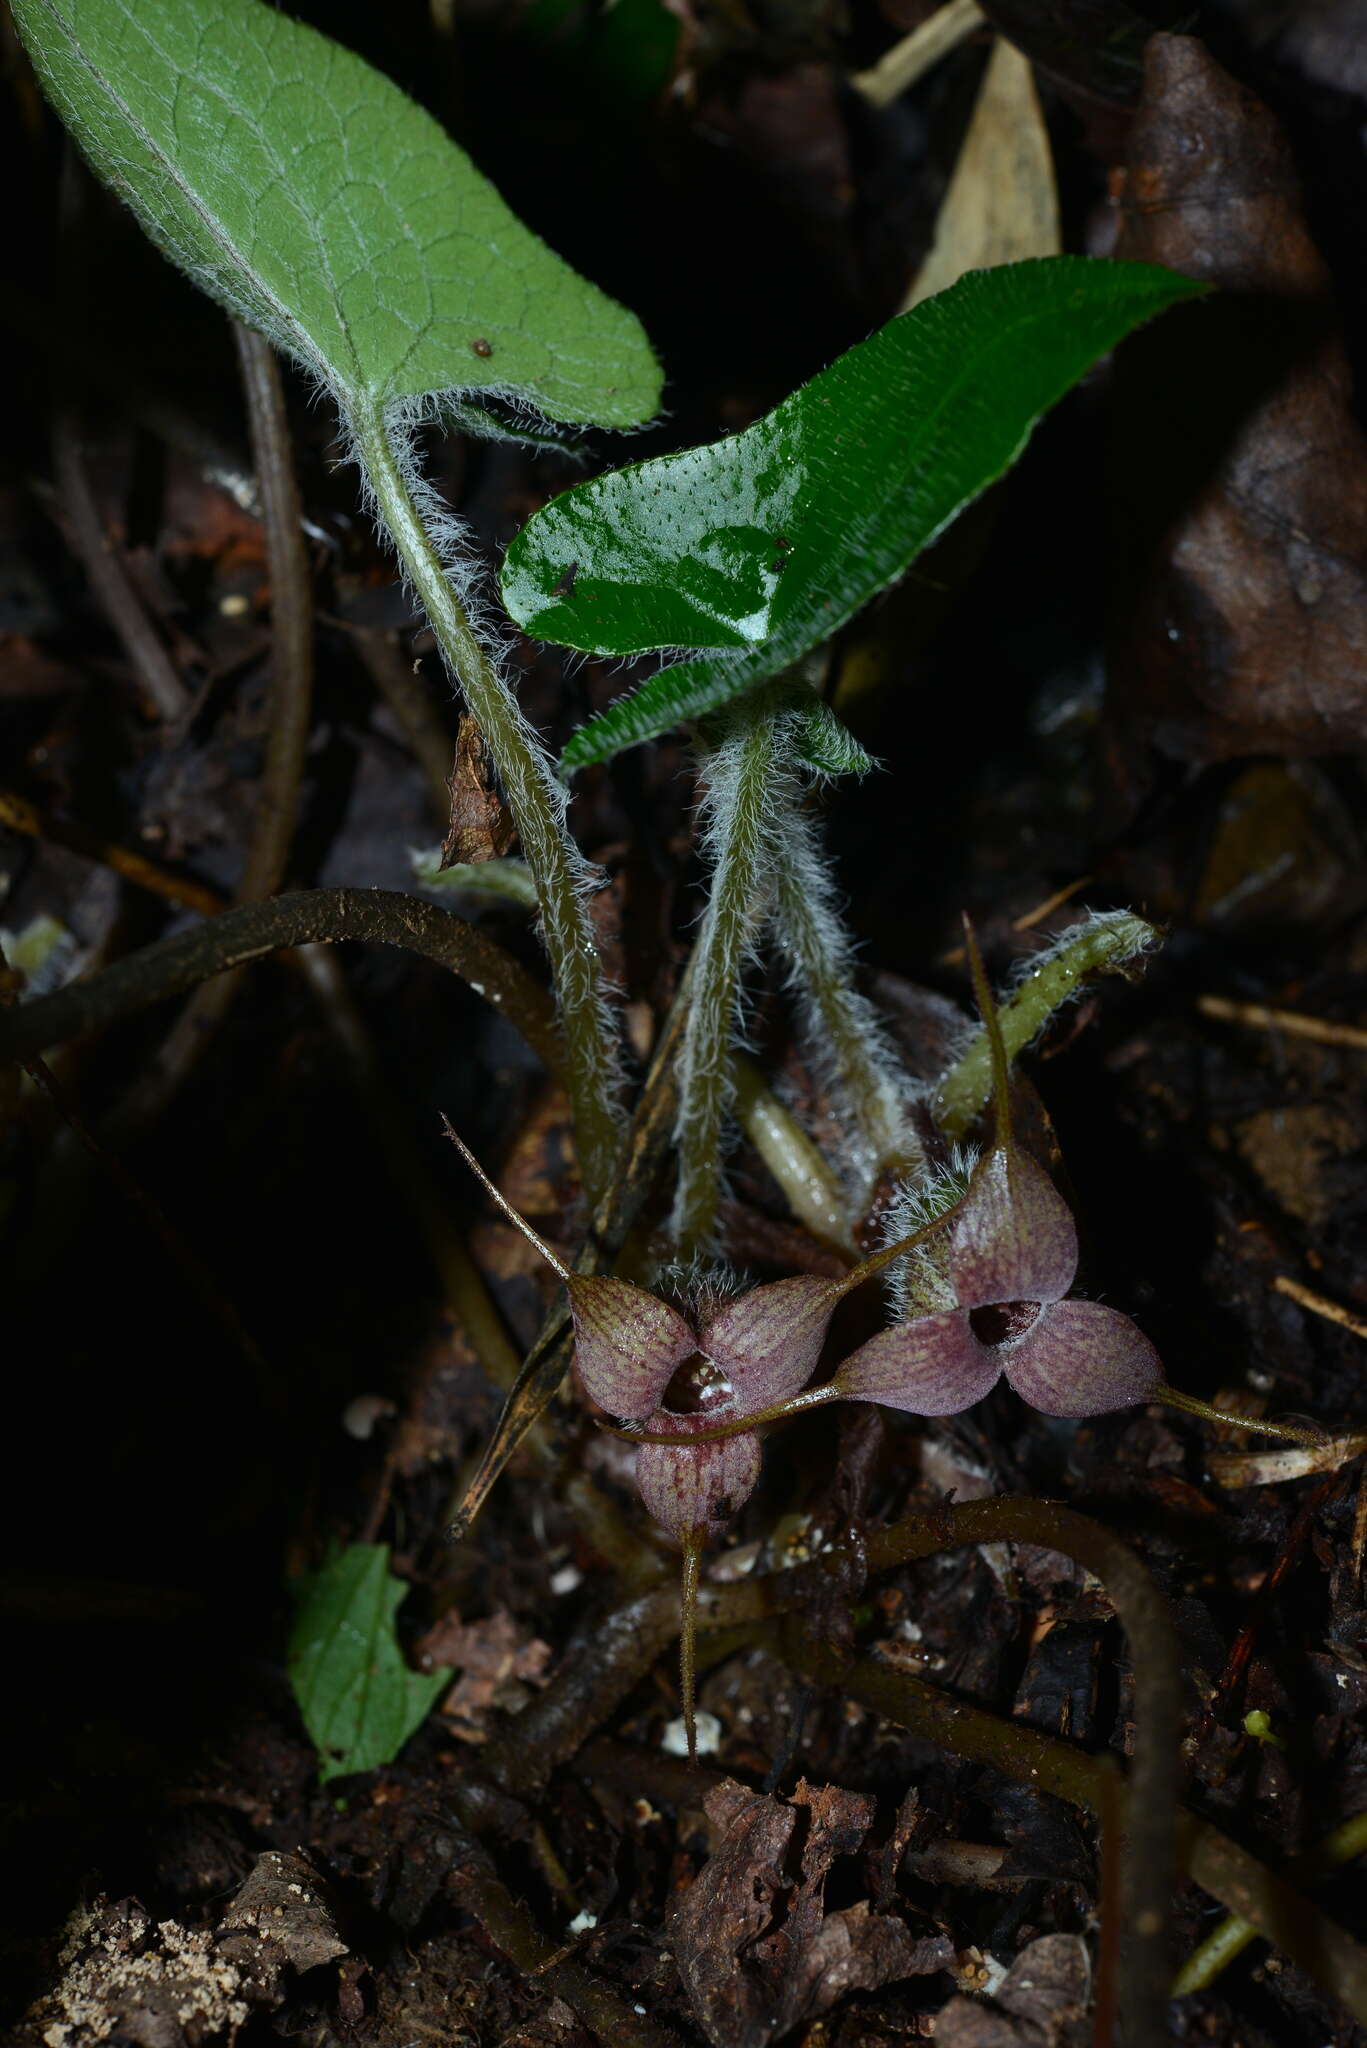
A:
x,y
481,828
493,1660
756,1950
1041,2003
1242,556
281,1906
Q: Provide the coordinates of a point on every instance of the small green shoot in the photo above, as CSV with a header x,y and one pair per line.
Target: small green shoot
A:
x,y
359,1700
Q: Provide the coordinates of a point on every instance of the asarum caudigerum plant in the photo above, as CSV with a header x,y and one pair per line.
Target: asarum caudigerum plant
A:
x,y
1002,1255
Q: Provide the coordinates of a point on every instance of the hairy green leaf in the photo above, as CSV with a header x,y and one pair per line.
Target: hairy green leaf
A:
x,y
359,1700
305,192
826,745
759,546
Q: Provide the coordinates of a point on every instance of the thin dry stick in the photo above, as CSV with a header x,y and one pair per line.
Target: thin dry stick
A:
x,y
18,815
288,714
108,578
1261,1018
905,62
1319,1305
301,918
956,954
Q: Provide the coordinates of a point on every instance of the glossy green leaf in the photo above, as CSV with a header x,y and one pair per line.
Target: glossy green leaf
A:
x,y
303,190
359,1700
759,546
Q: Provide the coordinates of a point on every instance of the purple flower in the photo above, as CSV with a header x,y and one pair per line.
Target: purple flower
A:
x,y
1012,1258
743,1356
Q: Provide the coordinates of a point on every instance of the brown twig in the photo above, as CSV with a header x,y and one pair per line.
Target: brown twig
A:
x,y
18,815
288,715
1319,1305
107,575
1262,1018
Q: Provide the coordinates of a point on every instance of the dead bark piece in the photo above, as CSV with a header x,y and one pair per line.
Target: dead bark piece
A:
x,y
1241,559
755,1948
480,828
280,1907
1042,2002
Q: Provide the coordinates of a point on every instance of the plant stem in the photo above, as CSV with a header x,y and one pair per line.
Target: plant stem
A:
x,y
288,716
1151,1808
303,917
1105,940
843,1024
737,832
1284,1432
801,1170
563,877
548,1360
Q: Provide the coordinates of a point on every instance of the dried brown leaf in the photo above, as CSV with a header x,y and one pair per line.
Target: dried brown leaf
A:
x,y
1041,2003
756,1950
1002,202
480,828
494,1658
1242,561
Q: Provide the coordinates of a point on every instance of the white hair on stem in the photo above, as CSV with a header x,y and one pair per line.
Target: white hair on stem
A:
x,y
434,545
919,1284
847,1043
738,826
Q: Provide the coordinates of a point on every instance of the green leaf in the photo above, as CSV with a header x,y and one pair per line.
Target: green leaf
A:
x,y
359,1700
825,743
761,545
312,198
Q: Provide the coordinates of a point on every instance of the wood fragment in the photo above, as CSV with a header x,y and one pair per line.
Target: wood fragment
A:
x,y
901,66
956,956
1319,1304
1261,1017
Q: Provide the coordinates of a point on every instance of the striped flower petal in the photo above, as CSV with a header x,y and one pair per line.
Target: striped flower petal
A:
x,y
1015,1239
769,1340
1081,1358
627,1344
933,1365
